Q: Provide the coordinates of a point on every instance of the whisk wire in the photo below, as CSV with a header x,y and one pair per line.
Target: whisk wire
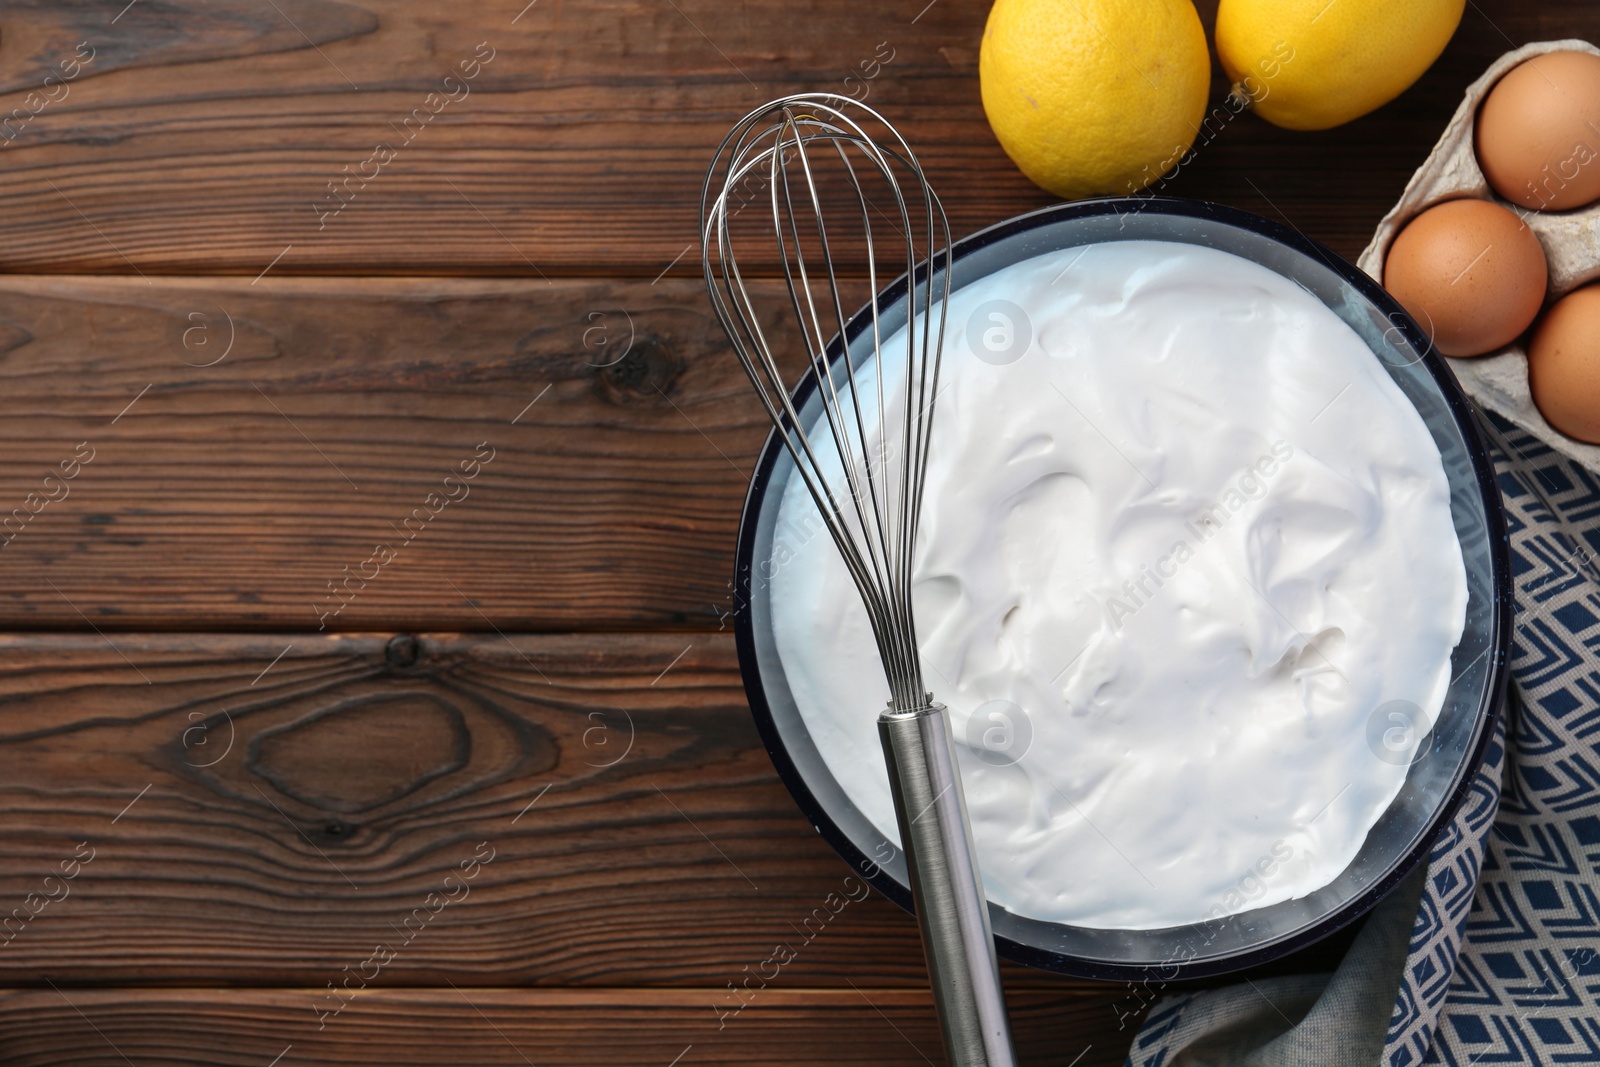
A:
x,y
750,343
890,512
870,511
883,512
883,458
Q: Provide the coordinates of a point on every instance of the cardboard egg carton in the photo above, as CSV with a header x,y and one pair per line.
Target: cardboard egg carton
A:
x,y
1571,239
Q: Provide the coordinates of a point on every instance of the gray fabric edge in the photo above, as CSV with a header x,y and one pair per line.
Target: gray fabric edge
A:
x,y
1314,1020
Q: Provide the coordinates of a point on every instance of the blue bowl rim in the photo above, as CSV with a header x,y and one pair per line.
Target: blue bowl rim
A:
x,y
1494,692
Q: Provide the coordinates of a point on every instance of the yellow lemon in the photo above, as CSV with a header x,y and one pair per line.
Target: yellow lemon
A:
x,y
1094,97
1312,64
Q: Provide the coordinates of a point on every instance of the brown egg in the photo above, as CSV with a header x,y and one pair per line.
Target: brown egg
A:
x,y
1471,274
1538,133
1564,365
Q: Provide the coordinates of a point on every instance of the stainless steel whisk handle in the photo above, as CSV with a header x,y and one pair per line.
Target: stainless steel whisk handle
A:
x,y
952,909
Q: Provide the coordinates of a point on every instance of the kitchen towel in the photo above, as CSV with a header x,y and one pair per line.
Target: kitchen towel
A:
x,y
1502,962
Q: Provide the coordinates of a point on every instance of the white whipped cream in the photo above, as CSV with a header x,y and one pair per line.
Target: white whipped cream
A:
x,y
1175,555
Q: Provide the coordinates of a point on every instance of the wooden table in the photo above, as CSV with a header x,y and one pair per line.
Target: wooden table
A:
x,y
377,638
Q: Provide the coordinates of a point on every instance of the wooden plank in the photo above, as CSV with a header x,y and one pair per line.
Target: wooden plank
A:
x,y
552,1028
266,809
202,136
610,426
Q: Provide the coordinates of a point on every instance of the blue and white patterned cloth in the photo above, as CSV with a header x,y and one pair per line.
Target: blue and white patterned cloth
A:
x,y
1503,961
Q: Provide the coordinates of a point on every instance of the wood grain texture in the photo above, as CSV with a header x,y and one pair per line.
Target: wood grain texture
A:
x,y
233,495
206,139
37,33
552,1028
